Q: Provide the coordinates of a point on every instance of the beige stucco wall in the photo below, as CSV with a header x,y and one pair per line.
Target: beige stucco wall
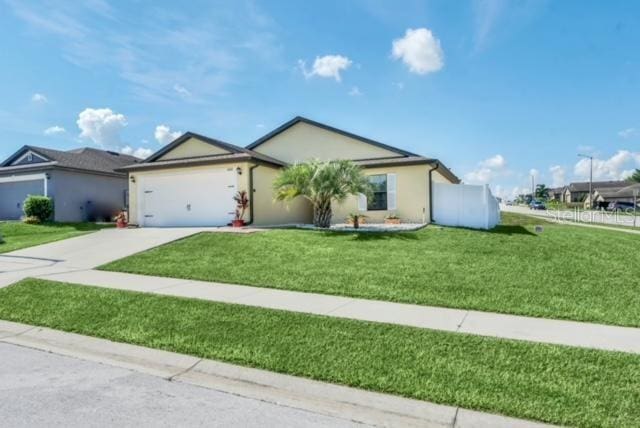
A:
x,y
269,212
412,188
303,141
243,182
193,148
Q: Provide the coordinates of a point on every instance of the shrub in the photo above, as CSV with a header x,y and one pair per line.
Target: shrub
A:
x,y
31,220
40,207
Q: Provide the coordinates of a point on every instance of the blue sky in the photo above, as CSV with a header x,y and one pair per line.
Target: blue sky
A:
x,y
495,89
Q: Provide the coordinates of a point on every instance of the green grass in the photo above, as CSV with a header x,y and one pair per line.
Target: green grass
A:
x,y
566,272
569,386
17,235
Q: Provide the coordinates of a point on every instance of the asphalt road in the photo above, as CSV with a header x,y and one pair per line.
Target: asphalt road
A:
x,y
39,389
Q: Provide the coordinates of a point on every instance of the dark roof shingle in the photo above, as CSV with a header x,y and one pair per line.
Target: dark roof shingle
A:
x,y
86,158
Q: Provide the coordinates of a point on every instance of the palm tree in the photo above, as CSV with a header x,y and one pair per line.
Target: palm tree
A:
x,y
542,191
321,183
635,176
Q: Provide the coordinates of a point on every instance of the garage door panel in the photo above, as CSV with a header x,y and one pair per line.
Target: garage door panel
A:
x,y
194,199
13,194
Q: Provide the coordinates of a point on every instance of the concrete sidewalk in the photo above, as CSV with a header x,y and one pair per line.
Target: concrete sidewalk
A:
x,y
558,332
319,397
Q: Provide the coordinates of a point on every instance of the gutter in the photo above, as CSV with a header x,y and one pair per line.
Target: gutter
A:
x,y
251,190
431,191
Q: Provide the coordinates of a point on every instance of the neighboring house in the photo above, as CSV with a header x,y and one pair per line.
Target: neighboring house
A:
x,y
578,192
602,197
83,183
556,193
191,181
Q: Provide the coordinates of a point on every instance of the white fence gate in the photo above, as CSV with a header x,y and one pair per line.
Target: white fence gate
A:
x,y
465,205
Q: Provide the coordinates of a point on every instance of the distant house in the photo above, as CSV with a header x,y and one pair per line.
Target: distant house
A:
x,y
83,183
602,197
578,192
555,194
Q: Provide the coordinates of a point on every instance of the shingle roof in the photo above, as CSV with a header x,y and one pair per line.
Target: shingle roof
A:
x,y
236,153
201,160
625,192
584,186
86,158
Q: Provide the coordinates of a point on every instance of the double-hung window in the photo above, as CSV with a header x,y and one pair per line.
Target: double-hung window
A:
x,y
383,194
379,189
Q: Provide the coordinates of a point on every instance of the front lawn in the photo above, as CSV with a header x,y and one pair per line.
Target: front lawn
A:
x,y
568,272
17,235
556,384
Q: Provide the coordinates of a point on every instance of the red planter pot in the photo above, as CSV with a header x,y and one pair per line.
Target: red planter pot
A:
x,y
237,223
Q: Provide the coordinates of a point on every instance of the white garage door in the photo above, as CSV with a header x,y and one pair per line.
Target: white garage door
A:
x,y
202,198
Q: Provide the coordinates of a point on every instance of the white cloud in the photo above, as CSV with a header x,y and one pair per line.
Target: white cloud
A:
x,y
617,167
419,50
328,66
164,135
206,53
398,85
53,130
495,162
39,98
509,193
487,13
140,152
487,170
181,90
102,126
260,125
558,176
355,92
628,133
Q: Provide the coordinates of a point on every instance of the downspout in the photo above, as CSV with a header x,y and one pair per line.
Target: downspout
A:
x,y
251,190
431,192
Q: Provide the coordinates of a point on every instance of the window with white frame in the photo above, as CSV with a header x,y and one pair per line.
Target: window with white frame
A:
x,y
383,189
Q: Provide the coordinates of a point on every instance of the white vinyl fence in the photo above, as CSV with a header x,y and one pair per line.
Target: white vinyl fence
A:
x,y
465,205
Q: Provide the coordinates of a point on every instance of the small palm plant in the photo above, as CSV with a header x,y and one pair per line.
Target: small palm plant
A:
x,y
356,219
321,183
242,202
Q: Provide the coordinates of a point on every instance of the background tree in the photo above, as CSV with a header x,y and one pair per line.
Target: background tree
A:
x,y
321,183
635,176
542,191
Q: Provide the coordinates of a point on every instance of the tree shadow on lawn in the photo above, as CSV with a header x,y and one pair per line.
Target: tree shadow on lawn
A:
x,y
372,235
510,230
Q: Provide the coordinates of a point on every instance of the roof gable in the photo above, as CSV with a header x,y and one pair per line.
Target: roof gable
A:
x,y
85,159
302,139
191,145
21,157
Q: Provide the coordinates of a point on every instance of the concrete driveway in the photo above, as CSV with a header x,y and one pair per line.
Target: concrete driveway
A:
x,y
87,251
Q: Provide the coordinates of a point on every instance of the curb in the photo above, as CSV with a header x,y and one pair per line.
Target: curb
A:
x,y
357,405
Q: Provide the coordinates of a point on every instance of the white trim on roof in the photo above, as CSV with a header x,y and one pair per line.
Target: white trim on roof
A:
x,y
26,155
26,177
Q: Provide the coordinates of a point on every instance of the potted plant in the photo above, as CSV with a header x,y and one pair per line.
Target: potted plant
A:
x,y
392,219
242,202
356,220
121,220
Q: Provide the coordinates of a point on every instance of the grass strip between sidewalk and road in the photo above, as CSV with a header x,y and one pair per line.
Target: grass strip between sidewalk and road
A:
x,y
561,272
555,384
